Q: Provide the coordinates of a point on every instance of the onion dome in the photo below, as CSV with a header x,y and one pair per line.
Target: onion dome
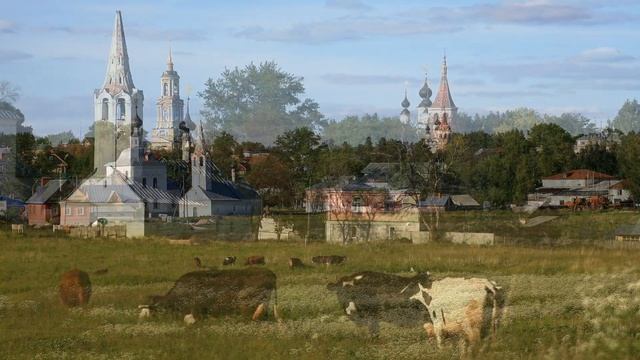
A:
x,y
405,103
425,93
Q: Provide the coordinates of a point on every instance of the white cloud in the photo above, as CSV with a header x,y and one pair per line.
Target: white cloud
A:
x,y
603,54
7,26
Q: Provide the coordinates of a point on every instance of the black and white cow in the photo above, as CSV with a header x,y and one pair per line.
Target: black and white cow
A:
x,y
369,297
215,292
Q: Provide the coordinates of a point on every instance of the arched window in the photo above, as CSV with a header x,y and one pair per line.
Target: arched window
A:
x,y
120,109
165,90
201,161
105,109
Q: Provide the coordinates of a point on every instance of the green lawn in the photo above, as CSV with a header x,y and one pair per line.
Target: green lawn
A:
x,y
563,303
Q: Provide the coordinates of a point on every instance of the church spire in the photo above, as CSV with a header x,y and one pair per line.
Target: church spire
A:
x,y
170,60
443,99
118,77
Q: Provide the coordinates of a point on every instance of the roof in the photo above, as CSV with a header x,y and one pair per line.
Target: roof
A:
x,y
12,202
580,174
105,189
464,200
443,98
437,201
118,77
10,115
47,192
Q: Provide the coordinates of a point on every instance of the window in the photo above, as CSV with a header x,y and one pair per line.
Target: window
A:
x,y
165,90
80,211
201,161
67,211
144,182
105,109
155,204
155,183
120,109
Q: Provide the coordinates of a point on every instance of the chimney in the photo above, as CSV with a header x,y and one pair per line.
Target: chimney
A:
x,y
233,174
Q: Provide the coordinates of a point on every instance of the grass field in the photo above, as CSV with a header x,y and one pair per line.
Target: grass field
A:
x,y
563,303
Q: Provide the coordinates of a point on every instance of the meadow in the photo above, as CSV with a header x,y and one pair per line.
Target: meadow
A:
x,y
571,302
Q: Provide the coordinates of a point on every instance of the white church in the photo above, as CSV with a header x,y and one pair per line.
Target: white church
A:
x,y
129,184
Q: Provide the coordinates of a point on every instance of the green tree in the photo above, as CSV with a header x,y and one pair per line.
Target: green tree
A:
x,y
574,123
628,155
554,148
256,103
598,158
628,118
298,150
224,152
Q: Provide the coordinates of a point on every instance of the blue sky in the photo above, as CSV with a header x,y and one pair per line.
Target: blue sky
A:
x,y
355,55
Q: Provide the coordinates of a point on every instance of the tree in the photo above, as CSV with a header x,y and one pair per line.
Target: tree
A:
x,y
256,103
628,118
628,155
8,92
224,152
554,148
356,129
272,178
574,123
598,158
298,150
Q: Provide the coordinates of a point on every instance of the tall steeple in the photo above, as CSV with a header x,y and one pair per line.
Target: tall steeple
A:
x,y
443,99
166,135
170,61
118,77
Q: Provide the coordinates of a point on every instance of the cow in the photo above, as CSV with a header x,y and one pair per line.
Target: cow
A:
x,y
75,288
229,260
328,260
295,263
369,297
458,307
17,228
255,260
217,292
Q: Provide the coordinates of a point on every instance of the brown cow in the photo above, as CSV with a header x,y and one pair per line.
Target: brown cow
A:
x,y
229,260
255,260
75,288
295,263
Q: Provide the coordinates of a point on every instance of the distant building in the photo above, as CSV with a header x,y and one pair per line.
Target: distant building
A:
x,y
213,195
628,232
597,139
438,116
43,206
581,185
166,135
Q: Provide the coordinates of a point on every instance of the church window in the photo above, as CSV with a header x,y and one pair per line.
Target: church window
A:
x,y
120,109
155,183
166,89
201,161
144,182
105,109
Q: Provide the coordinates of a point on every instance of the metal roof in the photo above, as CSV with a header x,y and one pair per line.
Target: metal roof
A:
x,y
44,193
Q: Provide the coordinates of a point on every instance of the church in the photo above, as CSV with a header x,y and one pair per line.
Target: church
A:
x,y
129,185
436,117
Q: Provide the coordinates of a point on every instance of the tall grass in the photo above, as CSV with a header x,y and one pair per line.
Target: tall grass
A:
x,y
570,302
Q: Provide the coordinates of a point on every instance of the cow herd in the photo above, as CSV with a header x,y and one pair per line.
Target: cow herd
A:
x,y
465,308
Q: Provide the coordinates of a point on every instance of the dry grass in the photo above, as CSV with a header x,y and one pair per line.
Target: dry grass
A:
x,y
566,303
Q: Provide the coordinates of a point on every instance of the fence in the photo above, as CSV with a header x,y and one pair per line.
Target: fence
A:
x,y
110,231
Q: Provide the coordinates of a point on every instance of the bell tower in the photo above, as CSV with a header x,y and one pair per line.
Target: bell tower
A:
x,y
169,110
117,104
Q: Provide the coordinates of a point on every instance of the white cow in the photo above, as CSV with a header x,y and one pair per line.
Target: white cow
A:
x,y
468,308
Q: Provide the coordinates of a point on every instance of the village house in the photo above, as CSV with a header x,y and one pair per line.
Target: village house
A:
x,y
43,206
566,188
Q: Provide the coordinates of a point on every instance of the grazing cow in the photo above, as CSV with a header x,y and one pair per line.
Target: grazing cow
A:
x,y
229,260
328,260
370,297
75,288
216,292
459,307
295,263
255,260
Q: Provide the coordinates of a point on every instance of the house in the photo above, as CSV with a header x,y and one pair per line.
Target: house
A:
x,y
581,185
213,195
437,203
43,207
119,200
9,205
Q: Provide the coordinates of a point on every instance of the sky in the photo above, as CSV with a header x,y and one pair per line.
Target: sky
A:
x,y
356,56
